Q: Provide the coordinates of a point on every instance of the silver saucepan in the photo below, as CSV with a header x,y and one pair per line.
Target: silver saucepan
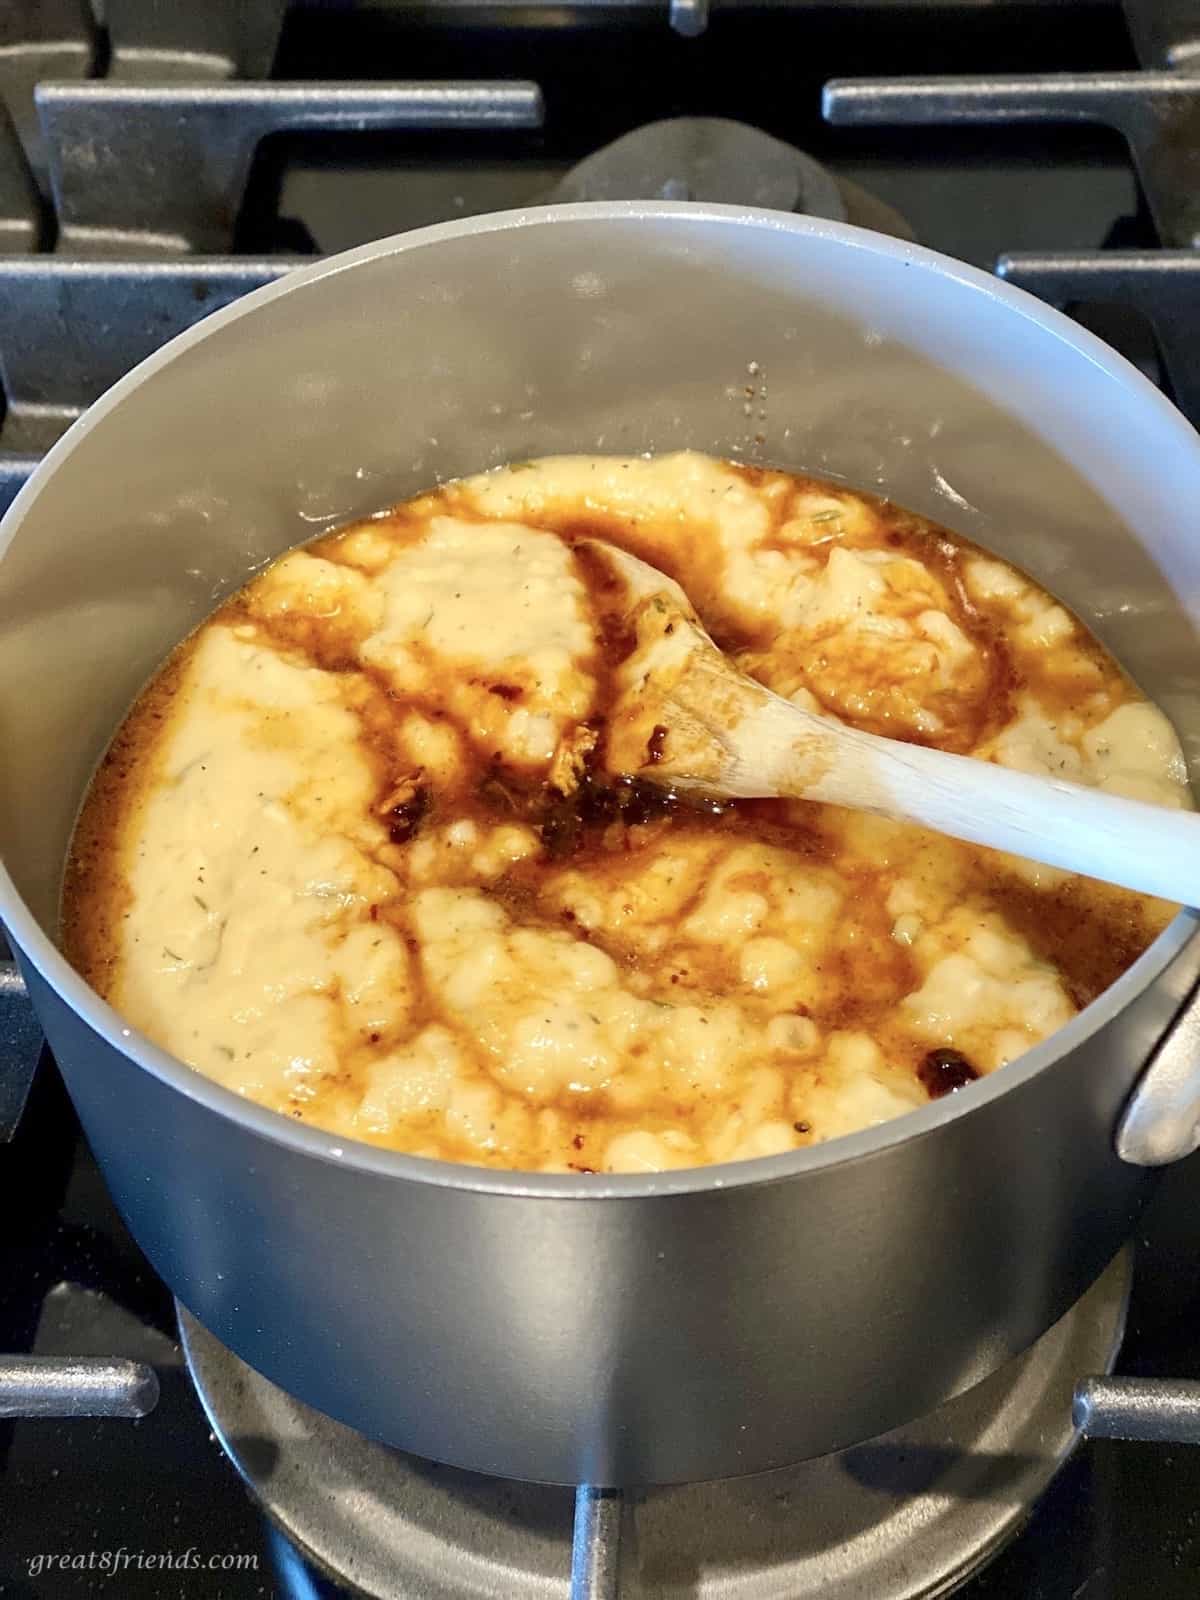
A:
x,y
607,1329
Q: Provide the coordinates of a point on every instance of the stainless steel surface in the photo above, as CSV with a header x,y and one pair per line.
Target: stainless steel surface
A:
x,y
41,39
216,39
20,225
1162,284
906,1515
1161,1122
1156,1410
162,170
596,1543
1166,33
1157,112
84,324
600,1329
50,1386
20,1046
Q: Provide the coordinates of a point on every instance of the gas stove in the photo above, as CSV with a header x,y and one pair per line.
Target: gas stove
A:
x,y
157,161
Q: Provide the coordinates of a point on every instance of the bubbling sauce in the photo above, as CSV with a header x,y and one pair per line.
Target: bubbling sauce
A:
x,y
354,853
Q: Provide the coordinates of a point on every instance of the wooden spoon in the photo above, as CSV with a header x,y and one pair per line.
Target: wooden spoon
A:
x,y
685,717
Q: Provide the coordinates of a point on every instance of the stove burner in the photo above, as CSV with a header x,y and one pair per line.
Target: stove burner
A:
x,y
714,160
911,1514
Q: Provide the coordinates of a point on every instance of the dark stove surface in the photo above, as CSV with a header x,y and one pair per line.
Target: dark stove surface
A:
x,y
972,192
977,193
1121,1522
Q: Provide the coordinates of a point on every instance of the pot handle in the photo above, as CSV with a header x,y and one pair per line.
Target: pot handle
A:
x,y
1161,1119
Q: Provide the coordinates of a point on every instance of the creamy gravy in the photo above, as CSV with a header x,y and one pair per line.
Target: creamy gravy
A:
x,y
325,864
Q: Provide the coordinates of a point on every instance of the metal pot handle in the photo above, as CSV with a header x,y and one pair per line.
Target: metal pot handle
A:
x,y
1161,1119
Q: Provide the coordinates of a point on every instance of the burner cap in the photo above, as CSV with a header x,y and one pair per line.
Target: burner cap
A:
x,y
714,160
908,1515
708,159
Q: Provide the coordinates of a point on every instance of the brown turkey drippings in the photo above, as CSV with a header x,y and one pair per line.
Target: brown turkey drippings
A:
x,y
356,853
597,801
943,1071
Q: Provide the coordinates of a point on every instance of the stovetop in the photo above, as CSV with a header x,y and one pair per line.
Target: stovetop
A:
x,y
1121,1522
334,166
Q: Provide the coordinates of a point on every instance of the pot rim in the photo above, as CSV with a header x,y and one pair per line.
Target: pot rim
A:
x,y
346,1151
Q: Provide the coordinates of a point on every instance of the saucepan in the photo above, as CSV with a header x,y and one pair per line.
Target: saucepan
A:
x,y
625,1329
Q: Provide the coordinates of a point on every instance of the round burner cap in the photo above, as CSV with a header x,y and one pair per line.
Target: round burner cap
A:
x,y
908,1515
708,159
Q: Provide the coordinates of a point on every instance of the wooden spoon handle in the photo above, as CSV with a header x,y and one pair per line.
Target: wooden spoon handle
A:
x,y
784,751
